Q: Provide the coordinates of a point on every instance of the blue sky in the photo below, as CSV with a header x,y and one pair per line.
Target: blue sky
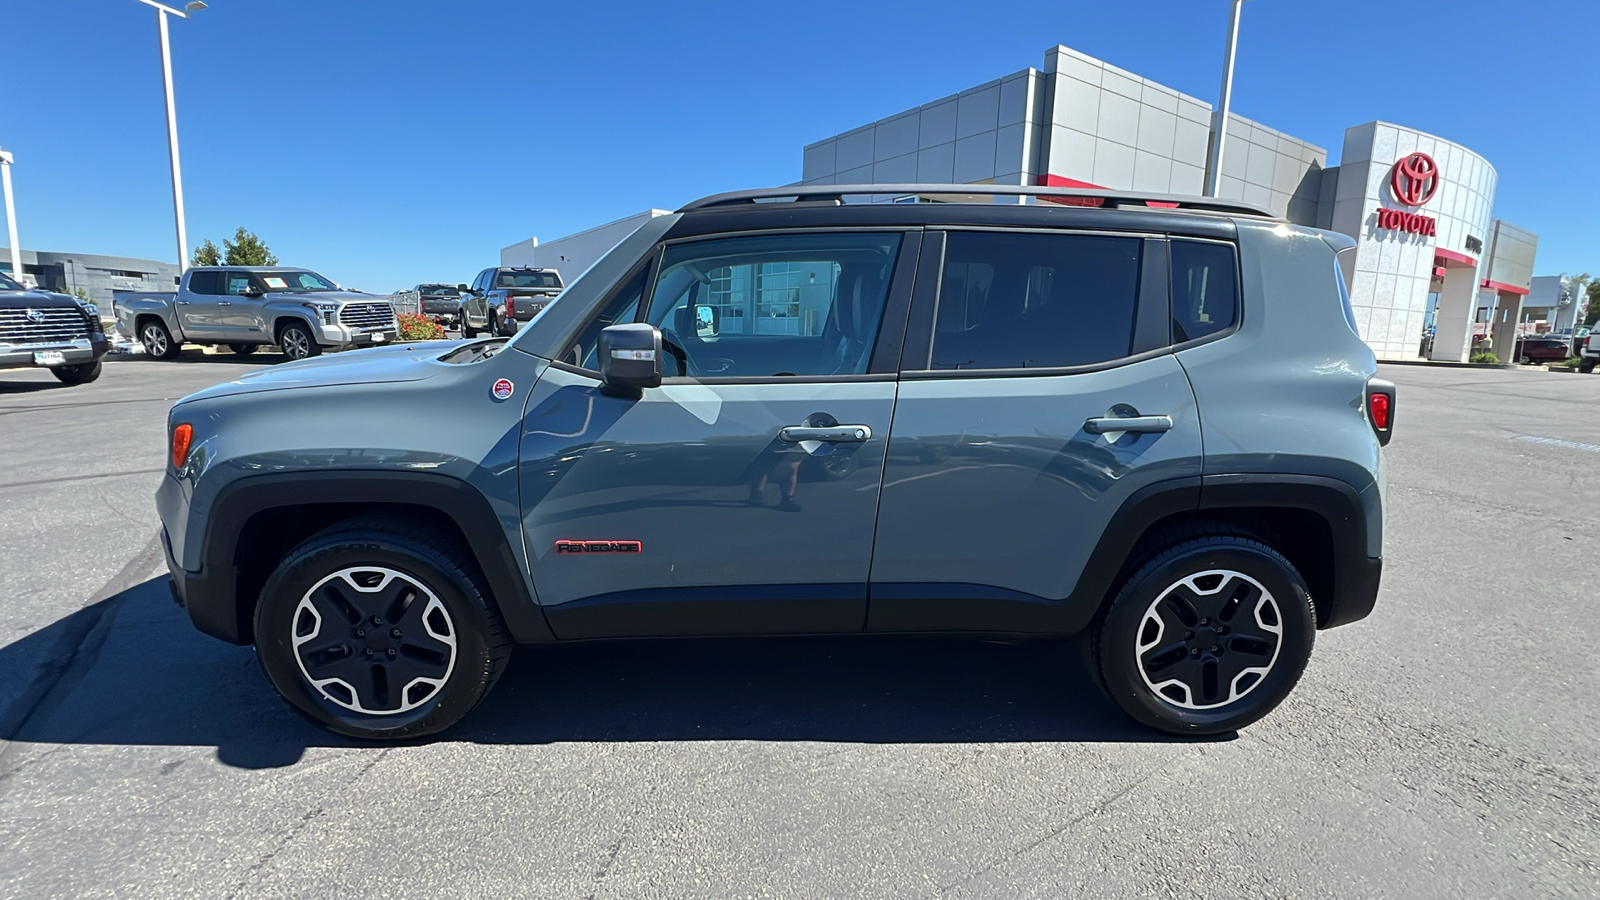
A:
x,y
387,143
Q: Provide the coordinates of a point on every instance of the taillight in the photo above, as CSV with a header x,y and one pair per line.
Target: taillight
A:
x,y
181,436
1380,408
511,308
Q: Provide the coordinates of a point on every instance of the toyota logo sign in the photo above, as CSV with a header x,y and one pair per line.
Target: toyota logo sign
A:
x,y
36,316
1415,179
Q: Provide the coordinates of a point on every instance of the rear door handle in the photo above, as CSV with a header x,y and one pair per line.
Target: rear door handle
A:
x,y
833,434
224,303
1134,424
181,302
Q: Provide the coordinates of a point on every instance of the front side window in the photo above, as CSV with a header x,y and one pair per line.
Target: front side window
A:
x,y
780,305
1028,301
236,282
622,307
1205,289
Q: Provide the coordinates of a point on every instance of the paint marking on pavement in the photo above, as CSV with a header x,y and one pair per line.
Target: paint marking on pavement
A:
x,y
1557,442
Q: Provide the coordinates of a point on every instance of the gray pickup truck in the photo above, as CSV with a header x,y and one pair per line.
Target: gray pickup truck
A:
x,y
243,308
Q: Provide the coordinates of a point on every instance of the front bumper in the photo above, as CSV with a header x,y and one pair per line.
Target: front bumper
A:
x,y
21,356
342,336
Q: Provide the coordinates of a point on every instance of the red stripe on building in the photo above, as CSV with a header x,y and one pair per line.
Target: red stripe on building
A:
x,y
1455,257
1502,286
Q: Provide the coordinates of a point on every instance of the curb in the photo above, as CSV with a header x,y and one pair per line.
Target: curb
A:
x,y
1445,365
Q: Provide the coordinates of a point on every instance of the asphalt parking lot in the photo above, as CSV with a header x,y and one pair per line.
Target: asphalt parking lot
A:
x,y
1446,747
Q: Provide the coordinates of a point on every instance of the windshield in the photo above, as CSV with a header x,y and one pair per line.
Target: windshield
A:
x,y
295,282
6,284
441,290
527,280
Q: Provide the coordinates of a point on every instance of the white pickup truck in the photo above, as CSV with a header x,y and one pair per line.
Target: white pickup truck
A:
x,y
245,307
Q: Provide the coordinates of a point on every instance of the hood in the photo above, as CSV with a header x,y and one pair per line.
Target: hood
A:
x,y
340,297
369,365
35,300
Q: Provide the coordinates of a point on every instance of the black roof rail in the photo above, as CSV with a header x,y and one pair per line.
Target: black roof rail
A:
x,y
835,193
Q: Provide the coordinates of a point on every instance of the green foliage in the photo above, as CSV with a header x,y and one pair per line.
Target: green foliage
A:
x,y
206,254
414,327
1571,363
1484,357
1594,304
247,250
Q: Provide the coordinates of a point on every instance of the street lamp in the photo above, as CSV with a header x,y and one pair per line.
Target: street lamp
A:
x,y
162,12
11,215
1219,119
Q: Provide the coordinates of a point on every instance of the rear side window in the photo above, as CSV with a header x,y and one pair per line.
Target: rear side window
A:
x,y
1205,289
205,282
1026,301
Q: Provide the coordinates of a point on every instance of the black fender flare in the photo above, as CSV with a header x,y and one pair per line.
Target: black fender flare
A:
x,y
212,594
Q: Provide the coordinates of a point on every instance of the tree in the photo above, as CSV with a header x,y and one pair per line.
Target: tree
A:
x,y
206,254
1594,304
247,250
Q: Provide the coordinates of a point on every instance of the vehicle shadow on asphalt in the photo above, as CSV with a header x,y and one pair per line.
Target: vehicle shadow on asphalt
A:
x,y
131,670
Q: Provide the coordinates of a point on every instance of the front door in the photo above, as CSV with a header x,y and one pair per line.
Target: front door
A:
x,y
1006,462
240,315
741,495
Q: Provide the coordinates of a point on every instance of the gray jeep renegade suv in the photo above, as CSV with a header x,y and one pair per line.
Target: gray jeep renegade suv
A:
x,y
779,413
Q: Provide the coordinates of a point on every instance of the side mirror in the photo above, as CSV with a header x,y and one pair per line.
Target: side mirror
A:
x,y
251,290
630,358
707,321
461,288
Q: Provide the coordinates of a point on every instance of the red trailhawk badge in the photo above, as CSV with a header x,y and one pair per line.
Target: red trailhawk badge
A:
x,y
502,389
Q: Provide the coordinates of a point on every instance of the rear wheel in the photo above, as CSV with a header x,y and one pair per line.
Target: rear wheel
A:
x,y
382,632
83,373
158,340
244,349
1207,637
1586,366
296,342
467,331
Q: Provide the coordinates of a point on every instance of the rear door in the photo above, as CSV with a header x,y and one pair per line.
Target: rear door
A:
x,y
1005,463
740,496
198,309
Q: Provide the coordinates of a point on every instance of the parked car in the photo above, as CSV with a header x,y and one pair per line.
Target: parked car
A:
x,y
1542,349
439,302
1151,419
248,307
42,329
499,299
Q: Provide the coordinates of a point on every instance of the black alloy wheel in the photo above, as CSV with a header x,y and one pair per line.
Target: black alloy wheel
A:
x,y
380,631
82,373
1208,636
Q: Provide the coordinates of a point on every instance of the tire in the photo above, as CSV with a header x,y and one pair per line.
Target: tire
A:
x,y
1218,676
82,373
467,331
157,340
297,342
1586,366
323,584
494,329
244,349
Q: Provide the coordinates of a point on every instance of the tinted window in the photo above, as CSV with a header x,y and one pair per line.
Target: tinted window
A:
x,y
514,279
1025,301
774,305
623,306
1204,289
205,282
236,282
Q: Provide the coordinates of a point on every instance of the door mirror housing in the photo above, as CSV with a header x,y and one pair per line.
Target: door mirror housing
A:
x,y
630,358
461,288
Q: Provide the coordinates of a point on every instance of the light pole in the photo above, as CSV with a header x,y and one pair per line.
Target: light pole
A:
x,y
11,216
1219,118
162,12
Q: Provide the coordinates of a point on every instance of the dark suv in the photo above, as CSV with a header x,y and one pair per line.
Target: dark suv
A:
x,y
499,299
49,330
1147,418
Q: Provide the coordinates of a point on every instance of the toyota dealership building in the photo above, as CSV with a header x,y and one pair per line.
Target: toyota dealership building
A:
x,y
1433,272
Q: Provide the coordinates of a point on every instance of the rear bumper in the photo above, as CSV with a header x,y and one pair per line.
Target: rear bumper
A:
x,y
72,352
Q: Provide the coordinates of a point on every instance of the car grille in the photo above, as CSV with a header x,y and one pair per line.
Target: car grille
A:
x,y
367,315
55,326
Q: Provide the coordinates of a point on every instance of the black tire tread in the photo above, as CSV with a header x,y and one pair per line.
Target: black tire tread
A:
x,y
444,551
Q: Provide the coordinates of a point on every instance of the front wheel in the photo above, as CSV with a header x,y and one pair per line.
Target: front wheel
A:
x,y
1526,361
467,331
380,632
1207,637
296,342
83,373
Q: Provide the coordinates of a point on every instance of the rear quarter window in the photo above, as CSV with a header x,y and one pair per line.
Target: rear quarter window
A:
x,y
1205,289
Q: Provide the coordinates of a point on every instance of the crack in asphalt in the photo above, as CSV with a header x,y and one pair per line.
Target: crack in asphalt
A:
x,y
76,652
70,478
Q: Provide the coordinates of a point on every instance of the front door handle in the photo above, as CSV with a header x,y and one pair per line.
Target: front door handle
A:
x,y
224,303
832,434
1134,424
181,302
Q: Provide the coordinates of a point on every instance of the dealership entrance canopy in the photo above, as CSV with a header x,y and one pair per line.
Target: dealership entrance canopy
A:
x,y
1432,273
